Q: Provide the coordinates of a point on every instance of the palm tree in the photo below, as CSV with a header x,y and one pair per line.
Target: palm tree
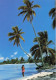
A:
x,y
29,12
43,39
53,13
16,36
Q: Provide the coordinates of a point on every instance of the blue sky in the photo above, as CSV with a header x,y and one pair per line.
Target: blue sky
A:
x,y
9,18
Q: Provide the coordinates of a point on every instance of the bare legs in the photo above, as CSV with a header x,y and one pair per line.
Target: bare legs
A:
x,y
23,74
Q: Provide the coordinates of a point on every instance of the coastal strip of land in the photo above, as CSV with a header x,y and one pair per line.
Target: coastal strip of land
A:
x,y
41,74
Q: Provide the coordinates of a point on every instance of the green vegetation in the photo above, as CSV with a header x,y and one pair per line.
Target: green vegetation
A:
x,y
17,61
42,45
52,13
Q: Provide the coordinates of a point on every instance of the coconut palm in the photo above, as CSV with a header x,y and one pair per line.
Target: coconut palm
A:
x,y
43,39
53,13
29,12
16,36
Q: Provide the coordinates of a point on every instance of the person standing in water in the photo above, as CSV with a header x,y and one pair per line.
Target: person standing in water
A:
x,y
23,70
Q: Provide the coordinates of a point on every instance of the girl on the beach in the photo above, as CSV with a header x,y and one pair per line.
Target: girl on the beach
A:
x,y
23,70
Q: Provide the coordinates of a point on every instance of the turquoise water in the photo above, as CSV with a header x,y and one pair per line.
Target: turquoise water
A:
x,y
13,71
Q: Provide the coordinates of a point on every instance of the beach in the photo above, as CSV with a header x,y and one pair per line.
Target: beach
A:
x,y
48,74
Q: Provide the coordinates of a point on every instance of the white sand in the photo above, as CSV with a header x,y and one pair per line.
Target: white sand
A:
x,y
41,74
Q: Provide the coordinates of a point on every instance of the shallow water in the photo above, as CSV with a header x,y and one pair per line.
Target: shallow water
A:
x,y
13,71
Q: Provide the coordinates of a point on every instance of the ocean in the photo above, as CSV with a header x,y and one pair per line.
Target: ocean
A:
x,y
14,72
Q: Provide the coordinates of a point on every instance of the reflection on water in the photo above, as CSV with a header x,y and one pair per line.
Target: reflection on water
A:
x,y
13,71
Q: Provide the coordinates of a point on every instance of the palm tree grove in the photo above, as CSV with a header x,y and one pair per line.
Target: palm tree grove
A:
x,y
31,40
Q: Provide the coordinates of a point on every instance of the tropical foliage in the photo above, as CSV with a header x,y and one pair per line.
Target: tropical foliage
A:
x,y
43,39
16,35
27,10
53,13
16,61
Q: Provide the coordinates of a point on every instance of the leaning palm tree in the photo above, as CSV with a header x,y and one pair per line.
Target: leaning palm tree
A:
x,y
53,13
28,11
16,36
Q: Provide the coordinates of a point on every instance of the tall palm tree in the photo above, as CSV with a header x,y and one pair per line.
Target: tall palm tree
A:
x,y
16,36
43,39
52,13
29,12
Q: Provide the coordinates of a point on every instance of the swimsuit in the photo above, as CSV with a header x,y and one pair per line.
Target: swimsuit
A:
x,y
23,70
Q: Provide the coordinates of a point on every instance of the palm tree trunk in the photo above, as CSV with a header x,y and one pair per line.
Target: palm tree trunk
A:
x,y
27,53
39,44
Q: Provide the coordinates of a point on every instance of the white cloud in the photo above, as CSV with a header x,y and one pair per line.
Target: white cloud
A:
x,y
15,53
6,58
12,55
1,58
28,54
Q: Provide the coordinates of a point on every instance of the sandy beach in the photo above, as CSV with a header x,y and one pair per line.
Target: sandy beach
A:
x,y
41,74
48,74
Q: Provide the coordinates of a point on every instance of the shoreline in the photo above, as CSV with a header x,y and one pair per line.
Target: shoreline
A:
x,y
45,75
40,76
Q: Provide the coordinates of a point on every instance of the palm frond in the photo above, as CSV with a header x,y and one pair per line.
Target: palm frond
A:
x,y
53,15
54,24
14,29
27,2
12,38
33,53
23,12
50,42
22,38
46,35
51,11
52,51
11,34
34,13
28,17
22,7
17,41
14,43
25,17
36,6
36,39
37,54
21,32
34,47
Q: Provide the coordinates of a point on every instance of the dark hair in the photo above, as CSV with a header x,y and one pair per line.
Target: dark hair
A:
x,y
22,65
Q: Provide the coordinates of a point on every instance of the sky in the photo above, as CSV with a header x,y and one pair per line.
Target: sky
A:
x,y
9,18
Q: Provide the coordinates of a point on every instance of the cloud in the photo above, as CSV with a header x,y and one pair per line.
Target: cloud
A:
x,y
15,53
28,54
6,58
1,58
12,55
